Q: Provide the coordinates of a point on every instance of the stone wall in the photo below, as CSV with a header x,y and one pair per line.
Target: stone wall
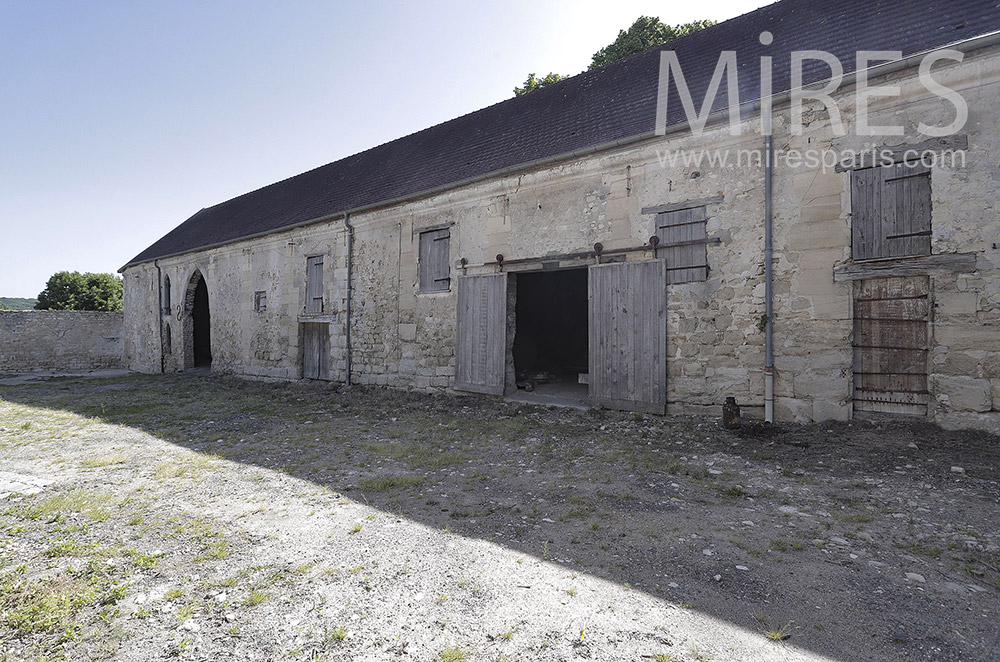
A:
x,y
244,341
405,338
59,340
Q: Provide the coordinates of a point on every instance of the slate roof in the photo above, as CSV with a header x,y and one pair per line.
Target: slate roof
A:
x,y
611,103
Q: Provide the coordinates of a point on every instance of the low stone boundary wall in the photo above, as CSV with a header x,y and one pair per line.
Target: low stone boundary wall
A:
x,y
59,340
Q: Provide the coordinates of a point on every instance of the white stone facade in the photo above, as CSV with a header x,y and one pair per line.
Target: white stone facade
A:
x,y
402,338
60,340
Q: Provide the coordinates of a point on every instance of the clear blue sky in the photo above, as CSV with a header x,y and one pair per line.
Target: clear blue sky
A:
x,y
121,119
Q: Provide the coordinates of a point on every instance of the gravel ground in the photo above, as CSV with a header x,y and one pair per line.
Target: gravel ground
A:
x,y
201,517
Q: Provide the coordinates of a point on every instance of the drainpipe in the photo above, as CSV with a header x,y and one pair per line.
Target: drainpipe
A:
x,y
350,270
159,313
768,288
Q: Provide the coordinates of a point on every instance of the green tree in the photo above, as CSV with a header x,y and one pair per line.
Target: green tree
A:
x,y
17,303
645,33
531,83
71,290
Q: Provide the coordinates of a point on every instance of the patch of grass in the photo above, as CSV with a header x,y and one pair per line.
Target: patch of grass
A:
x,y
144,561
439,460
923,550
92,504
215,549
37,608
733,492
779,634
337,634
105,460
356,528
173,594
256,597
453,654
389,483
191,467
67,547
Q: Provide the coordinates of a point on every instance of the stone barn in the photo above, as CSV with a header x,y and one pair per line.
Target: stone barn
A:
x,y
818,240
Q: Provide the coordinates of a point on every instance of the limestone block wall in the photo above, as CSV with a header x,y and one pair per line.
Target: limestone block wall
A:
x,y
141,352
244,341
404,338
965,220
59,340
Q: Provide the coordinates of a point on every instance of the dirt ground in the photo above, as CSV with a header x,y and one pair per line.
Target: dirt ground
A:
x,y
200,517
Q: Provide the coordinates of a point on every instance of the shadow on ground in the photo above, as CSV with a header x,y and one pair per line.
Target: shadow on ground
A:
x,y
814,525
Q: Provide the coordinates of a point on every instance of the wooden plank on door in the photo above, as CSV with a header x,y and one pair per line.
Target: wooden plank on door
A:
x,y
891,344
481,334
316,350
866,218
628,336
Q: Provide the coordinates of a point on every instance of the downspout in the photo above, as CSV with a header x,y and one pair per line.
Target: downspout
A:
x,y
768,288
159,314
350,270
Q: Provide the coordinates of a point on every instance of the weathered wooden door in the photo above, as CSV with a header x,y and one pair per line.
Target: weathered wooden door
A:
x,y
316,350
481,334
628,336
891,342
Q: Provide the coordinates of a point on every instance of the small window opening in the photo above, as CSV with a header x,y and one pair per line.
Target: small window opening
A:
x,y
166,295
314,284
891,211
435,268
683,236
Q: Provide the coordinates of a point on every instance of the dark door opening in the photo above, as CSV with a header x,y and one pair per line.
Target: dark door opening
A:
x,y
551,337
202,326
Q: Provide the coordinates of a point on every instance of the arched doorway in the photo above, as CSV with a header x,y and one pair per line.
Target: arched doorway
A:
x,y
197,324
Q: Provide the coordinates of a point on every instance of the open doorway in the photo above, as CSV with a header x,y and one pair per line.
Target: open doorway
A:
x,y
551,335
197,324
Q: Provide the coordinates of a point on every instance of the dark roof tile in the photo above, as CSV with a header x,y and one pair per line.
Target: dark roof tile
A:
x,y
614,102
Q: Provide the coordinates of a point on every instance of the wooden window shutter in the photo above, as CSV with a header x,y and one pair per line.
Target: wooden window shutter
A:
x,y
890,211
866,222
686,262
314,284
434,261
906,210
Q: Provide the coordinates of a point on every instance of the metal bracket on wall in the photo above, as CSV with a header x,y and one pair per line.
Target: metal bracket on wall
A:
x,y
586,255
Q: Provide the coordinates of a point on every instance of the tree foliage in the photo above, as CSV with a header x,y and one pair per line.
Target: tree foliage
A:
x,y
645,33
17,303
531,83
71,290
